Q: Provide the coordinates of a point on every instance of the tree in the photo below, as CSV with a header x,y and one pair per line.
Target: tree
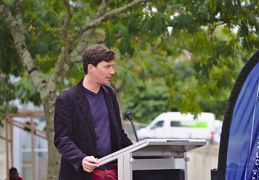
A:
x,y
198,57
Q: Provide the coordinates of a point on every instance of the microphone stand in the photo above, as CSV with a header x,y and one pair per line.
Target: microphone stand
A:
x,y
128,115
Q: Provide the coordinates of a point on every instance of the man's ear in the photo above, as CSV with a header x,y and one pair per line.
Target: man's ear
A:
x,y
90,67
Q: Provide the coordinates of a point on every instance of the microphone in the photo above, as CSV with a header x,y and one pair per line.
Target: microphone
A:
x,y
128,115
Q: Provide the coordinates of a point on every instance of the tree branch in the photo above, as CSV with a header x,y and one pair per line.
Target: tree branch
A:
x,y
117,87
85,37
63,64
16,27
102,8
66,62
67,21
105,17
18,8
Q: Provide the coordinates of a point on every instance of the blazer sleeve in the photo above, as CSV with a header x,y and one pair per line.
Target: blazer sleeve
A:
x,y
64,136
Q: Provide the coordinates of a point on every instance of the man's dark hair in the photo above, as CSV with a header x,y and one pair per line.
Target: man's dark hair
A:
x,y
95,54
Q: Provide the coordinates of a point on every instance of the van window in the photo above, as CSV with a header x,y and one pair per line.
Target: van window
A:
x,y
192,124
158,124
175,123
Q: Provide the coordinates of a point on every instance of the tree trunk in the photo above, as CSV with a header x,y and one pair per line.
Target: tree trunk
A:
x,y
53,155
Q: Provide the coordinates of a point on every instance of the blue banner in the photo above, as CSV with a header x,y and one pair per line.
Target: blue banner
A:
x,y
243,145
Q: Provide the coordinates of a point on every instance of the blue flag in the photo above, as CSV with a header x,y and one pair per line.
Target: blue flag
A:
x,y
239,144
243,145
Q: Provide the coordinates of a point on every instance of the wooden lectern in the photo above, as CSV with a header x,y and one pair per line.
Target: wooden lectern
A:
x,y
154,159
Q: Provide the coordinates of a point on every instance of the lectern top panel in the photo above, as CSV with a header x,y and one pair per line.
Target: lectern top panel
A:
x,y
175,141
156,148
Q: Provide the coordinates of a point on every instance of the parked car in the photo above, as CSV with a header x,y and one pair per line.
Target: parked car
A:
x,y
182,126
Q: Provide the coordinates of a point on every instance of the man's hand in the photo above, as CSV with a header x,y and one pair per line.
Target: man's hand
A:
x,y
89,163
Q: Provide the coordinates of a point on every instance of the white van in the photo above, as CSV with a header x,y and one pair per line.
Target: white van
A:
x,y
182,126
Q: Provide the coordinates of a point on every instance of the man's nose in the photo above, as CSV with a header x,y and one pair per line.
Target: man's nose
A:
x,y
112,71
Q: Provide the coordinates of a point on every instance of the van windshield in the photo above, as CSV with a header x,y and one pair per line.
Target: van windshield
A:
x,y
158,124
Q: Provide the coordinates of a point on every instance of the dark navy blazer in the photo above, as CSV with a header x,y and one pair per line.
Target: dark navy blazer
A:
x,y
74,132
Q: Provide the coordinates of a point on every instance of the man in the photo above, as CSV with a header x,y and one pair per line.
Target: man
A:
x,y
87,120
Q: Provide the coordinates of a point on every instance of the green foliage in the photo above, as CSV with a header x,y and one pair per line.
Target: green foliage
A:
x,y
120,33
7,94
184,21
26,93
9,59
29,124
10,65
187,49
191,67
150,99
154,26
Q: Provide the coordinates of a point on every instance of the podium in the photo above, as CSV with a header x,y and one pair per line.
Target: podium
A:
x,y
153,159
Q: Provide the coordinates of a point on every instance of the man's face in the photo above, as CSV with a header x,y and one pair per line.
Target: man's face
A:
x,y
103,72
